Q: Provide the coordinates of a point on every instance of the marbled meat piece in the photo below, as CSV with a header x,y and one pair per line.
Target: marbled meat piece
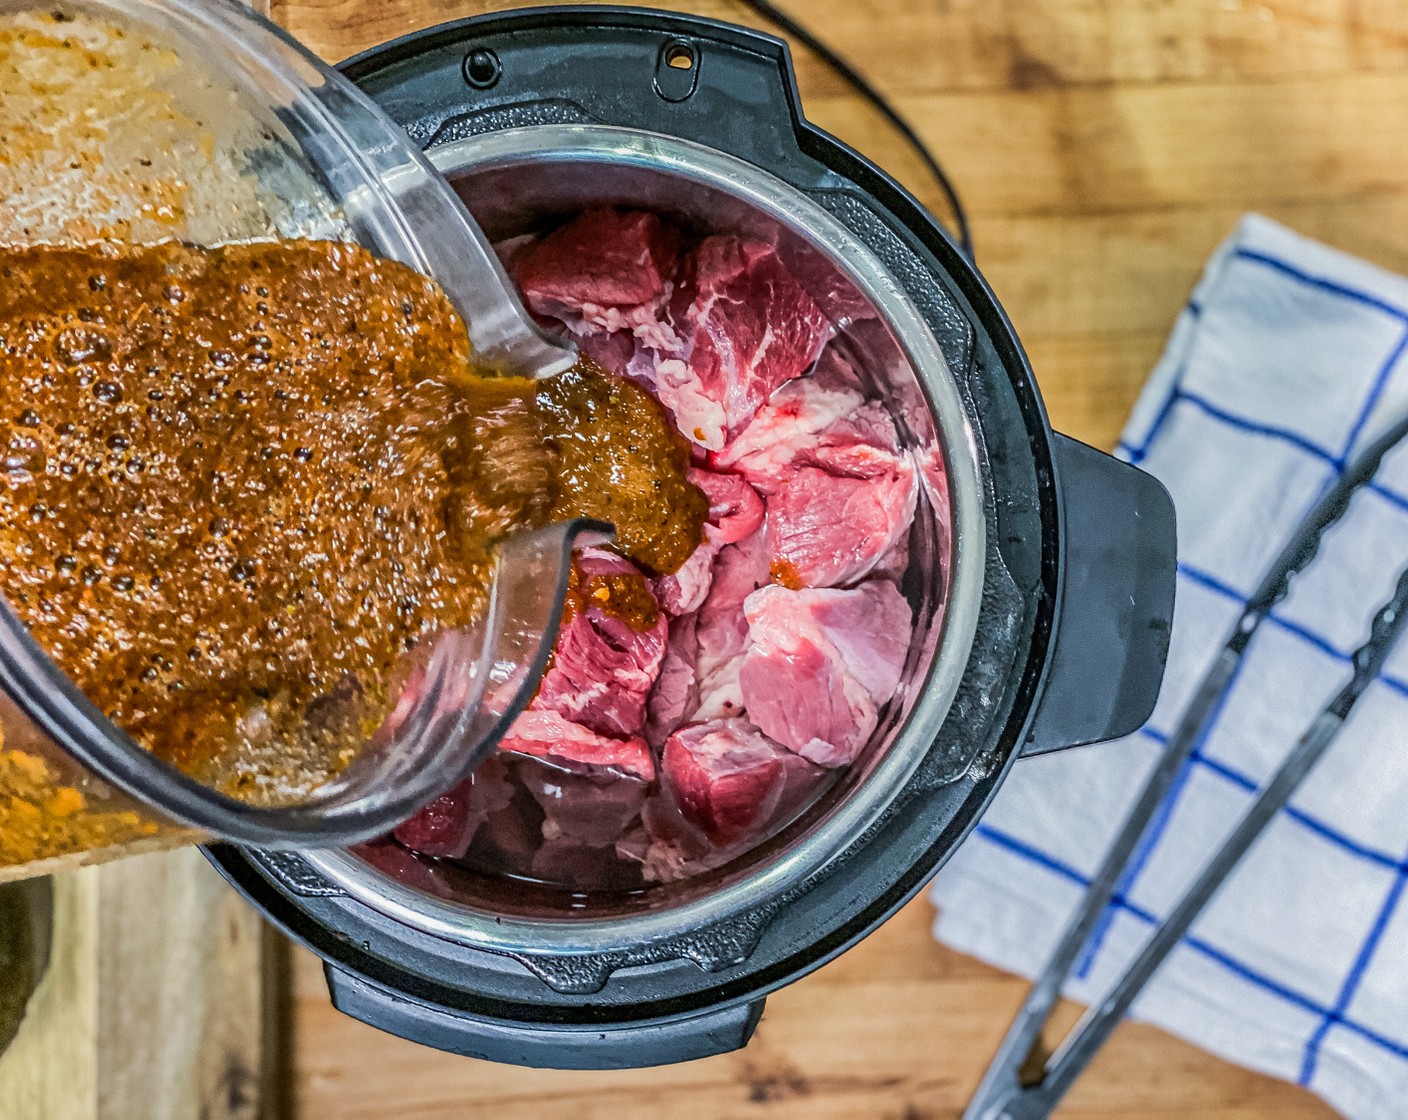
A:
x,y
603,666
583,804
721,636
839,299
605,272
803,415
745,327
830,524
676,692
446,826
684,591
840,493
821,663
669,847
543,733
585,811
735,509
731,781
735,512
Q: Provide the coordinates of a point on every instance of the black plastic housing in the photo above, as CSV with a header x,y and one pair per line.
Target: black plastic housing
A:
x,y
1080,556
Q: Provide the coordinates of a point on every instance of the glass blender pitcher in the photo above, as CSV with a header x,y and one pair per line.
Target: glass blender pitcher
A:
x,y
151,120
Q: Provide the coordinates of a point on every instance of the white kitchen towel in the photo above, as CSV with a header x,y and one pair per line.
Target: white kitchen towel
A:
x,y
1288,359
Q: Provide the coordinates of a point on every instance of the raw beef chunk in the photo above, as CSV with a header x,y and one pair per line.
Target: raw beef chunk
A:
x,y
676,692
605,272
446,826
722,630
747,328
735,512
603,667
544,733
831,524
841,494
729,780
585,810
821,663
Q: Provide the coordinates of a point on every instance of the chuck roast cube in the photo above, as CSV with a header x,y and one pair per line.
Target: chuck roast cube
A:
x,y
604,272
821,663
582,803
586,809
721,635
803,415
512,836
442,828
603,668
735,509
832,524
735,513
668,848
543,733
724,788
447,825
612,352
841,495
731,781
676,693
683,592
602,673
745,327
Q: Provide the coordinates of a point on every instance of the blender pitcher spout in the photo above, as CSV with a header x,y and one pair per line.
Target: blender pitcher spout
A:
x,y
454,710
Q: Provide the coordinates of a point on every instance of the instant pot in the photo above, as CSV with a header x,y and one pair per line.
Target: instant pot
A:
x,y
1043,579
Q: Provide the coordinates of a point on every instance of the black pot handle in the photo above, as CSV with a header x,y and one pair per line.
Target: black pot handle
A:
x,y
541,1046
1116,607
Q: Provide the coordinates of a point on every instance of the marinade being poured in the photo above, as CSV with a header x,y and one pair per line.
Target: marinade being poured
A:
x,y
240,483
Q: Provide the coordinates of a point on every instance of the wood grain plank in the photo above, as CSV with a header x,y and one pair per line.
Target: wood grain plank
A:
x,y
1087,379
932,46
151,1005
179,989
1127,148
1132,271
1091,119
45,1074
898,1028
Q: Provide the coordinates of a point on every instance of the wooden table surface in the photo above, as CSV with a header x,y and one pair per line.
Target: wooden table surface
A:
x,y
1104,147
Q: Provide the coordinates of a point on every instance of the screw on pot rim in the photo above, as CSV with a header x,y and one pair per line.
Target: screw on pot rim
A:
x,y
788,207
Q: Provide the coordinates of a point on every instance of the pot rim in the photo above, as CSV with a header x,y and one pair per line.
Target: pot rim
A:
x,y
830,837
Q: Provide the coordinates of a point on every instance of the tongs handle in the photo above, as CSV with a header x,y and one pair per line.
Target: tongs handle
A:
x,y
1021,1084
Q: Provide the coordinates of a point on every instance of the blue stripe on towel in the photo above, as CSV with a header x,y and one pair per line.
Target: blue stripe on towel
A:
x,y
1135,454
1011,844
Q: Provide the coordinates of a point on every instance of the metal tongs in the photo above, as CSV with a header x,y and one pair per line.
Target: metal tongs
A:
x,y
1025,1080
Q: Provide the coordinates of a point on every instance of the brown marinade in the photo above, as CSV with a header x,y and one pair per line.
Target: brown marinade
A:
x,y
237,484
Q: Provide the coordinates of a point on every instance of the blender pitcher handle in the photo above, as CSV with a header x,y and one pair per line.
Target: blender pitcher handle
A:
x,y
1116,606
544,1047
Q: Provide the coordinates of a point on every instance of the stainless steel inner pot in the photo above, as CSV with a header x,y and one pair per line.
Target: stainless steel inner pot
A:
x,y
516,181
